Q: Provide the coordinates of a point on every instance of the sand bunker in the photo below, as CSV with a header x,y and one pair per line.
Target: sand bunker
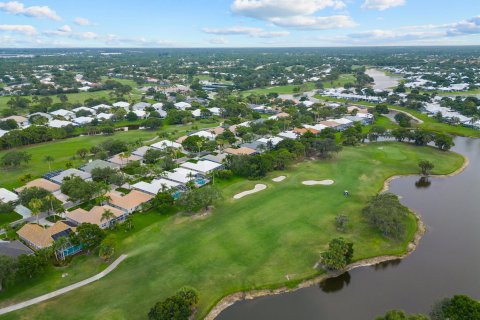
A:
x,y
316,182
258,187
278,179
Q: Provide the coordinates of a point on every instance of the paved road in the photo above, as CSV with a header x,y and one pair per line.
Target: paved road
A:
x,y
58,292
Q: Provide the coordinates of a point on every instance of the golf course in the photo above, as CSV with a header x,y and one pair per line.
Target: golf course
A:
x,y
268,239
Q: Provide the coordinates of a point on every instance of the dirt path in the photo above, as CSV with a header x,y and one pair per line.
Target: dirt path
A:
x,y
69,288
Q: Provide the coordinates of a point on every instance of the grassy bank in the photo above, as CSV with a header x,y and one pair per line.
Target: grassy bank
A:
x,y
254,242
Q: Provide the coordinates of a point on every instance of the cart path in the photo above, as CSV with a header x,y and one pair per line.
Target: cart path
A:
x,y
61,291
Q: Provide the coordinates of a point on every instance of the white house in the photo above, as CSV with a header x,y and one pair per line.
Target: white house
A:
x,y
156,186
141,106
91,110
182,105
318,126
63,113
273,140
196,113
71,172
59,123
166,144
288,134
83,120
215,111
157,106
102,106
202,166
181,175
140,113
122,104
7,196
104,116
204,134
2,132
141,151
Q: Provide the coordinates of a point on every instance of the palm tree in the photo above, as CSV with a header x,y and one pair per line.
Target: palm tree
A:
x,y
103,199
49,160
107,215
35,205
60,245
50,198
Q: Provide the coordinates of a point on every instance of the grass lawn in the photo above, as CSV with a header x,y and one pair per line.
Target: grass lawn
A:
x,y
254,242
286,89
63,151
9,217
340,82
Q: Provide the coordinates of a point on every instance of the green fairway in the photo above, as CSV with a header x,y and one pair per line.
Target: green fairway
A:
x,y
340,82
254,242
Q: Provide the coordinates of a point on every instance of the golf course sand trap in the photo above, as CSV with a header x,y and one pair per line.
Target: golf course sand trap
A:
x,y
315,182
258,187
279,179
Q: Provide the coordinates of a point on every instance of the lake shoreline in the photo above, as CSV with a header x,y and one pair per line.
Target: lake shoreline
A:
x,y
233,298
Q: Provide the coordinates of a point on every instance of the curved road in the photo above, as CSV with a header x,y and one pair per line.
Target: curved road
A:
x,y
58,292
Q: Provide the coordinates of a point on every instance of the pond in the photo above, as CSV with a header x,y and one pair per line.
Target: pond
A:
x,y
382,81
446,262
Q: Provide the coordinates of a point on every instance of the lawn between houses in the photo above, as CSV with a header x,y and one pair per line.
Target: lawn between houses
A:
x,y
63,150
251,243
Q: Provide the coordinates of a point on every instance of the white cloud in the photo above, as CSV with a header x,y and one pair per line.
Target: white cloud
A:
x,y
219,40
82,21
18,8
294,13
313,22
266,9
382,4
249,31
65,28
416,33
85,35
19,28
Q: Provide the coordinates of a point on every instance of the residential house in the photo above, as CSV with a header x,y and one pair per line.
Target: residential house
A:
x,y
302,131
122,104
63,113
94,164
105,107
161,145
68,173
83,120
121,161
7,196
181,175
157,185
130,202
258,146
242,151
40,183
288,134
141,106
38,237
273,140
2,132
205,134
182,105
95,216
203,167
91,110
104,116
141,151
21,121
59,123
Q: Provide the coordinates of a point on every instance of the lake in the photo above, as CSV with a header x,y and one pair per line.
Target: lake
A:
x,y
382,80
446,262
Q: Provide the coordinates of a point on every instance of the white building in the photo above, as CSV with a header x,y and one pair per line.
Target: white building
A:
x,y
83,120
273,140
122,104
63,113
104,116
91,110
157,185
202,166
288,134
204,134
166,144
7,196
182,105
59,123
181,175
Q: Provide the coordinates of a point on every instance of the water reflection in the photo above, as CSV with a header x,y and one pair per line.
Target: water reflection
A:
x,y
423,182
335,284
387,264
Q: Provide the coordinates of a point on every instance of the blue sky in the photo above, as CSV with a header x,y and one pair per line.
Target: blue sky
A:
x,y
238,23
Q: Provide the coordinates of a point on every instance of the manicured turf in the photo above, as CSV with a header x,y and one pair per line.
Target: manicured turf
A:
x,y
9,217
254,242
